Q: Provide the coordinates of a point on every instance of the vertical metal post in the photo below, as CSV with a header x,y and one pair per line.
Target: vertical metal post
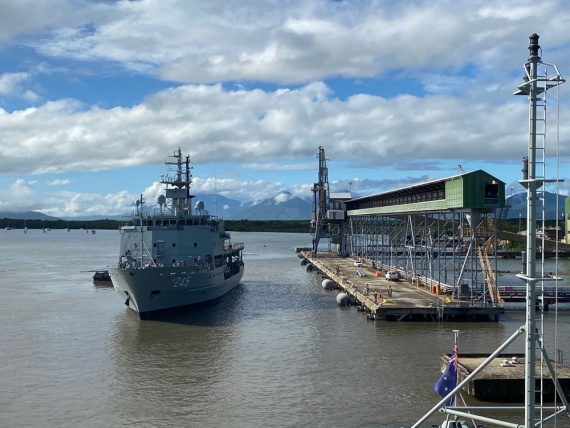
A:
x,y
530,352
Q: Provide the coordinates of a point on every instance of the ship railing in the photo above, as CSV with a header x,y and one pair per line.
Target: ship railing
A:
x,y
130,262
234,246
166,214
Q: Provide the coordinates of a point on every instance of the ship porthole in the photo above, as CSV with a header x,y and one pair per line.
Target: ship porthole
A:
x,y
131,273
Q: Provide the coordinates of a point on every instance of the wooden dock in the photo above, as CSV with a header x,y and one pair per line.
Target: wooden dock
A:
x,y
503,380
410,300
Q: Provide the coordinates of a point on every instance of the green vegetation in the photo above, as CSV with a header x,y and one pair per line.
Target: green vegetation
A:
x,y
517,225
516,246
294,226
60,224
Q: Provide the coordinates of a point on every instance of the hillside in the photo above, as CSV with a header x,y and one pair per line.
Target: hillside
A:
x,y
281,207
518,206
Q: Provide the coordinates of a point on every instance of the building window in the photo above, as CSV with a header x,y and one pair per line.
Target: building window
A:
x,y
491,193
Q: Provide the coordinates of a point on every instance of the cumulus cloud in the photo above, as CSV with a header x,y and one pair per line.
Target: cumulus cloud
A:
x,y
216,125
58,183
72,204
274,166
19,195
282,197
13,85
286,42
259,90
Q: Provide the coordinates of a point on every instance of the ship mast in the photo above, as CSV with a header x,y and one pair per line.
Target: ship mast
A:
x,y
535,88
178,186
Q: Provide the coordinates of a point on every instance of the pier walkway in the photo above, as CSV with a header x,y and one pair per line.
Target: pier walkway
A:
x,y
411,300
503,380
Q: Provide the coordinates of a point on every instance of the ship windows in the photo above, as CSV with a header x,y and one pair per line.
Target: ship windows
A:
x,y
173,244
218,261
159,248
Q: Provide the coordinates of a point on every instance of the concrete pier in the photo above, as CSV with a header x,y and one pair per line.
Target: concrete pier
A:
x,y
503,379
411,298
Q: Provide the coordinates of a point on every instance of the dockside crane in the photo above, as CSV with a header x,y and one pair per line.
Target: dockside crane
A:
x,y
320,201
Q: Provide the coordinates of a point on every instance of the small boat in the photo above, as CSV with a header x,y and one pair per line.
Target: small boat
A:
x,y
172,258
101,276
93,232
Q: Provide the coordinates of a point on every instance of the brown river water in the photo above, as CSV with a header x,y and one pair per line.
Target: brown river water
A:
x,y
277,352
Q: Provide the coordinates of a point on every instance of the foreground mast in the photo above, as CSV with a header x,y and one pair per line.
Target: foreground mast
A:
x,y
535,87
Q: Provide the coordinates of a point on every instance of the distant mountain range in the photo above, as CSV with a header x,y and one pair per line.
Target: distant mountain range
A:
x,y
518,206
27,215
280,207
284,207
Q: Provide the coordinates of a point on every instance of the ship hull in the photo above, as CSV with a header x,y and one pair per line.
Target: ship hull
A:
x,y
163,291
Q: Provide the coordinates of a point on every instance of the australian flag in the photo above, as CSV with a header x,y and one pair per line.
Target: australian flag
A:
x,y
448,379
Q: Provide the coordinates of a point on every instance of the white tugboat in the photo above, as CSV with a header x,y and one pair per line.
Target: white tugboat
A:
x,y
171,259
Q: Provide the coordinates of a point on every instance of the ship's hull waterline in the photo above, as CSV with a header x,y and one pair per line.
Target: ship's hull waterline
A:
x,y
161,291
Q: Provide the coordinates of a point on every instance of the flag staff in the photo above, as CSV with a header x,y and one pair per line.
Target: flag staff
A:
x,y
456,353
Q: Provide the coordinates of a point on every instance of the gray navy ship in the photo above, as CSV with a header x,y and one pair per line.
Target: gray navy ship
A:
x,y
172,258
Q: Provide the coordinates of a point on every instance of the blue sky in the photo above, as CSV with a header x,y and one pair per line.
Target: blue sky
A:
x,y
95,94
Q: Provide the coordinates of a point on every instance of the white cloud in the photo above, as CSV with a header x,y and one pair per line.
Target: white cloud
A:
x,y
282,197
274,166
70,204
245,191
19,195
287,42
12,85
58,183
30,17
215,126
464,65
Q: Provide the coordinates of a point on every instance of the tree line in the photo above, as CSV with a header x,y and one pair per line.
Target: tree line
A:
x,y
293,226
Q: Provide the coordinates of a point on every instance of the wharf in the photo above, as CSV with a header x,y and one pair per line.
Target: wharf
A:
x,y
503,380
409,302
